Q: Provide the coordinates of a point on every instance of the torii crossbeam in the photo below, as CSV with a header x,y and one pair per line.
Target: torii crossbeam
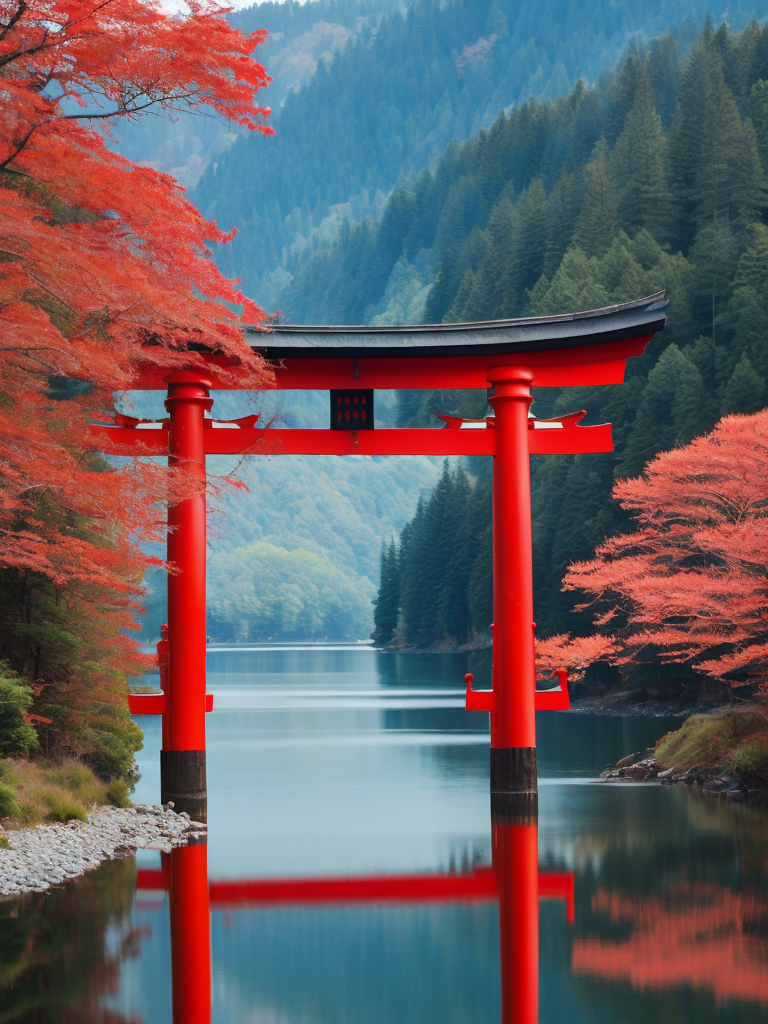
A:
x,y
507,356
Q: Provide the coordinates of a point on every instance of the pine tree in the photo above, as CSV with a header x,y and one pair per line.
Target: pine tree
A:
x,y
528,259
598,220
453,616
387,604
561,213
496,294
714,158
639,166
672,410
745,392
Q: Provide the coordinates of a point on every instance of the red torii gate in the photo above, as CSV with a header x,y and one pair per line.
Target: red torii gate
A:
x,y
510,357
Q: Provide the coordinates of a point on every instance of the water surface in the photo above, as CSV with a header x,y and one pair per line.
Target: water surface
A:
x,y
347,763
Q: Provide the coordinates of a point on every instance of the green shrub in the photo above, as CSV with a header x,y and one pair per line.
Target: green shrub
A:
x,y
112,745
74,775
17,737
117,793
9,807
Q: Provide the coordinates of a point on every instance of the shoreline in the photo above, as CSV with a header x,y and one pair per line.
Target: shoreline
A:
x,y
711,780
43,856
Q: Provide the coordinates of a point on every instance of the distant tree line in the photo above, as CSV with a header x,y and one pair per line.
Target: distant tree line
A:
x,y
655,179
435,583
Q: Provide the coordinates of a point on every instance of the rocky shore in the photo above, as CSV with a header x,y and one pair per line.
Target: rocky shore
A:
x,y
643,767
37,858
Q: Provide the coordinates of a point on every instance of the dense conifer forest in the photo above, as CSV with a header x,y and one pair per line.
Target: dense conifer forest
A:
x,y
656,178
387,96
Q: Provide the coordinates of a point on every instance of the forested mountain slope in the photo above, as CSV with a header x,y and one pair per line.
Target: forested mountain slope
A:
x,y
300,36
388,103
655,179
336,125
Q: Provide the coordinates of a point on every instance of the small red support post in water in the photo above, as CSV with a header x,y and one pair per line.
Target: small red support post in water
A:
x,y
182,762
513,721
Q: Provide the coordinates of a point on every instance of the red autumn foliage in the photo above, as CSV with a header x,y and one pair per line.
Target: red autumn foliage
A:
x,y
104,268
575,654
691,584
703,936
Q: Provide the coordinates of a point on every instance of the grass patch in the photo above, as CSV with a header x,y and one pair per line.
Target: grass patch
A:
x,y
33,793
9,808
117,793
732,741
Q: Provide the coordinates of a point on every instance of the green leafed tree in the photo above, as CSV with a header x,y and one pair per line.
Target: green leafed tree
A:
x,y
17,735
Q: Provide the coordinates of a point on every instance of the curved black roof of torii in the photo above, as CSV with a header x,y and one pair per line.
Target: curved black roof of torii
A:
x,y
526,334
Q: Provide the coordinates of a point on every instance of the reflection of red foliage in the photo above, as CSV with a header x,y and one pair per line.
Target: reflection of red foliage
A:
x,y
704,936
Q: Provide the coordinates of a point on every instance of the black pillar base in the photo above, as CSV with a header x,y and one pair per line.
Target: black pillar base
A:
x,y
513,770
183,781
514,808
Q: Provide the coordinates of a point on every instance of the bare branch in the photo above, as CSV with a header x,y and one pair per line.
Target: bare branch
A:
x,y
14,19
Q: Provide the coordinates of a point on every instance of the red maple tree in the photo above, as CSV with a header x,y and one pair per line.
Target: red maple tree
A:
x,y
104,267
691,584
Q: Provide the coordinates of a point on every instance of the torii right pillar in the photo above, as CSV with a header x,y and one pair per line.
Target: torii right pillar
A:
x,y
513,720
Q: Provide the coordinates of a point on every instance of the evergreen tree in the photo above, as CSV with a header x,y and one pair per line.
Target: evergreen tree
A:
x,y
495,295
528,259
561,212
745,392
664,74
639,166
714,158
453,615
387,604
672,410
598,220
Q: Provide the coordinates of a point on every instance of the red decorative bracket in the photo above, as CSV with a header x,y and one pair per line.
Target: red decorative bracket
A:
x,y
150,437
477,700
559,436
546,700
156,703
564,436
555,700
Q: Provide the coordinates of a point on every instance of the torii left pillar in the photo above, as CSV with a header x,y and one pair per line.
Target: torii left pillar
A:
x,y
513,719
182,764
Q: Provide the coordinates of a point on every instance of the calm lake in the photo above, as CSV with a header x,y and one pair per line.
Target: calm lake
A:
x,y
352,873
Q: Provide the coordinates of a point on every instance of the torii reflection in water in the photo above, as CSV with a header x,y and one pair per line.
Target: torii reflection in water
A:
x,y
514,880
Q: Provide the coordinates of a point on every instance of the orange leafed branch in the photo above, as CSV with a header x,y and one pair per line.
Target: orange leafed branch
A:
x,y
691,584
